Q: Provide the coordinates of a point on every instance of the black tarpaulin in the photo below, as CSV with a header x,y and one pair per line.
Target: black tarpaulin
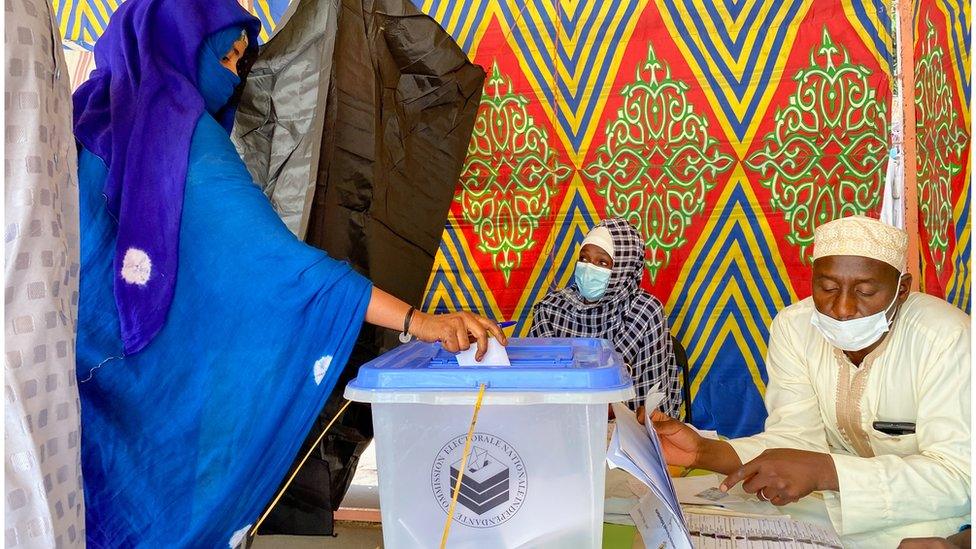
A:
x,y
392,111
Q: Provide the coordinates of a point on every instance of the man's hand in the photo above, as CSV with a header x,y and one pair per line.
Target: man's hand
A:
x,y
453,330
783,476
926,543
681,444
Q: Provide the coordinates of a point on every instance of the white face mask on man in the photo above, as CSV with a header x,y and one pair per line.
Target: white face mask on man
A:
x,y
858,333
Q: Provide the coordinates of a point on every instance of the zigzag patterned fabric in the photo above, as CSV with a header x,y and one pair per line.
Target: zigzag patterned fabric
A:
x,y
726,130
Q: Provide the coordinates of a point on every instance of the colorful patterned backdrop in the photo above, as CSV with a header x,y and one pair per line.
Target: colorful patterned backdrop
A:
x,y
942,98
726,130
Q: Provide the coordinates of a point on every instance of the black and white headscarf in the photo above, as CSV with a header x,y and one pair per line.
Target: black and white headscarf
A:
x,y
629,317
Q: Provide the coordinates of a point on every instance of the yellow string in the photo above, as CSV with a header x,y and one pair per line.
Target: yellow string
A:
x,y
464,463
281,492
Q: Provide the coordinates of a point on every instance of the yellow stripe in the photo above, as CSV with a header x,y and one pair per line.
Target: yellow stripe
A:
x,y
698,277
741,147
736,63
866,37
725,257
587,10
491,14
573,80
961,80
962,280
732,24
713,344
462,257
102,11
450,25
75,33
266,11
574,117
68,8
441,12
470,20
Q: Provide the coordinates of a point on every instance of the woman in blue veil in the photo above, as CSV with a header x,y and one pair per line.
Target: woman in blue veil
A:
x,y
209,337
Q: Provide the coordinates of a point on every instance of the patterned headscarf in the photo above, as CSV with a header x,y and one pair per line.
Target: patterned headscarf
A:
x,y
630,318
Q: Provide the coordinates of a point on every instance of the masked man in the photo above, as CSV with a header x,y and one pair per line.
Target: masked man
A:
x,y
868,399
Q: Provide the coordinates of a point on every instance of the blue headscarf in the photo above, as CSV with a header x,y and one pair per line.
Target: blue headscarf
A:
x,y
137,112
215,82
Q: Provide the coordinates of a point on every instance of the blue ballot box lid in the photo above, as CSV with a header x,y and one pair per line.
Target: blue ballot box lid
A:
x,y
542,370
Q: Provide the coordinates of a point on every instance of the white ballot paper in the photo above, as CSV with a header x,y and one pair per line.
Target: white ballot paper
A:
x,y
658,526
496,355
637,451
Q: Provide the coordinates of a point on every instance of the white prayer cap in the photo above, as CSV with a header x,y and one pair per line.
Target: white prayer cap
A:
x,y
862,236
600,237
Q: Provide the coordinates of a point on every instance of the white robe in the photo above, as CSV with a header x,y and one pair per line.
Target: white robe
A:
x,y
891,487
43,504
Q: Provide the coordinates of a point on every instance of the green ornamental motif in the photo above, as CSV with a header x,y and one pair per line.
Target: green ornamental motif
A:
x,y
941,142
510,176
658,163
826,157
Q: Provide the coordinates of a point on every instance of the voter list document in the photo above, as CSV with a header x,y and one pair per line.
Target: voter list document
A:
x,y
664,524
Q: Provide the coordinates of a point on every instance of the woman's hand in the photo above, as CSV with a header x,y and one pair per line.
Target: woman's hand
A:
x,y
456,331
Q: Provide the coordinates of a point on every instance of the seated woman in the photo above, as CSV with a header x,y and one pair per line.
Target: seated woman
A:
x,y
607,301
209,337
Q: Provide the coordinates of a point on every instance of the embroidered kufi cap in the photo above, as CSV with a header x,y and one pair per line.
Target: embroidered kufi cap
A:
x,y
862,236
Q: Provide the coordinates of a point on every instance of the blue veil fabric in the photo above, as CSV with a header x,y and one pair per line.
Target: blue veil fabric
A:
x,y
137,112
184,443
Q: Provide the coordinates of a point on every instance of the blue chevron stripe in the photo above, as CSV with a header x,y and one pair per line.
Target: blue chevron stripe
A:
x,y
595,54
68,19
726,374
959,292
712,408
739,125
454,263
475,18
596,60
478,18
962,49
440,280
734,8
735,46
732,277
879,9
757,268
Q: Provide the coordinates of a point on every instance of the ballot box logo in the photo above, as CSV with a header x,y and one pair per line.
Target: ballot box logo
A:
x,y
493,486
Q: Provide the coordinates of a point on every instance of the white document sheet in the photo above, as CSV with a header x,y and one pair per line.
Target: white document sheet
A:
x,y
496,355
658,526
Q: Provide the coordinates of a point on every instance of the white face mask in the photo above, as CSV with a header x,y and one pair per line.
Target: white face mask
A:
x,y
857,333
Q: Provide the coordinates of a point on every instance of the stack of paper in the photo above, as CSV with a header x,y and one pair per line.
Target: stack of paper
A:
x,y
635,449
